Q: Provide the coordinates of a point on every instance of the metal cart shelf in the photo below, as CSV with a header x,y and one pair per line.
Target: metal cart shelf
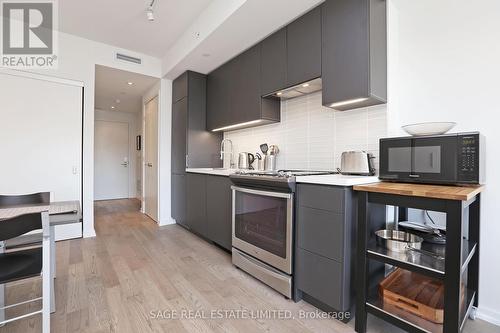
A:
x,y
462,208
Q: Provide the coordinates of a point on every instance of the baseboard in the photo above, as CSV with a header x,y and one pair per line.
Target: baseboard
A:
x,y
167,221
89,233
488,315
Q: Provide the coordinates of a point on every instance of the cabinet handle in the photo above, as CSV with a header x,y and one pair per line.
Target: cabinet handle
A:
x,y
187,163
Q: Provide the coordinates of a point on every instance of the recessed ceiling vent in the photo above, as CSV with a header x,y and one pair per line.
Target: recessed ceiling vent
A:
x,y
125,57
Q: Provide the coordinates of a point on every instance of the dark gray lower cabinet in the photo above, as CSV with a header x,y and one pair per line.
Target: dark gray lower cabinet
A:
x,y
208,206
321,278
321,232
179,198
219,210
325,228
196,203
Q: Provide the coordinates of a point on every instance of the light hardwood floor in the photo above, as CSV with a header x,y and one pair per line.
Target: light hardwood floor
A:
x,y
112,283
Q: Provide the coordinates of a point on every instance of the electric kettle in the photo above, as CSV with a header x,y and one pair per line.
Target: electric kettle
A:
x,y
245,160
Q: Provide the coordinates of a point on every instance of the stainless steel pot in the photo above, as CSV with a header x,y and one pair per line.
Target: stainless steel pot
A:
x,y
400,241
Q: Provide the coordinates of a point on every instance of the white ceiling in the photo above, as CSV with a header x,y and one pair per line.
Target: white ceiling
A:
x,y
123,23
112,84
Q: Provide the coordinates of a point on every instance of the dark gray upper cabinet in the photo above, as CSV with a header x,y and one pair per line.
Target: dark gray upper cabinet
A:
x,y
245,87
196,203
219,198
179,137
234,93
192,145
273,67
218,85
180,87
354,66
203,147
304,48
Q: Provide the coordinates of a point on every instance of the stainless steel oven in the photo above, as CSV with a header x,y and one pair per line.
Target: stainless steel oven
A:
x,y
262,225
263,235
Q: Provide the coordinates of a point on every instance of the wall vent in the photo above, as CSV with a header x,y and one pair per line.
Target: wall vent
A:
x,y
125,57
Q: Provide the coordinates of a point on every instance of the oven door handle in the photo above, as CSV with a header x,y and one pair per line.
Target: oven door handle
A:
x,y
265,193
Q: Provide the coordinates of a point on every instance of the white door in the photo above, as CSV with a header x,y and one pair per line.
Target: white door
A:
x,y
41,141
111,160
151,159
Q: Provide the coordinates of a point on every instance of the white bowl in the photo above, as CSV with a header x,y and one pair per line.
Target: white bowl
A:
x,y
432,128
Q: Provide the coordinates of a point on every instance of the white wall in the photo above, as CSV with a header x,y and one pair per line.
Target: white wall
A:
x,y
131,120
40,140
77,60
444,64
312,137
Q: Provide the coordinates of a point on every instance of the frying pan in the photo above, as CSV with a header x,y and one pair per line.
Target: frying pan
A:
x,y
400,241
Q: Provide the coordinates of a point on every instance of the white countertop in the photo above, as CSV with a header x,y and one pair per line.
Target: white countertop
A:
x,y
337,180
211,171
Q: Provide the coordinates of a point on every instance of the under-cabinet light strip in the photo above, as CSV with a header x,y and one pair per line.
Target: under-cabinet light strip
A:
x,y
351,101
236,125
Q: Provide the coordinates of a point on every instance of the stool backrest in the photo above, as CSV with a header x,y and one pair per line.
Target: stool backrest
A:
x,y
24,199
19,225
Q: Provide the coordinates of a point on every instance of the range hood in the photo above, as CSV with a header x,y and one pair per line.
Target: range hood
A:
x,y
298,90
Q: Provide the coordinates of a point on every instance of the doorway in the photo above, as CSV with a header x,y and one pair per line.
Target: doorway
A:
x,y
151,159
122,100
111,172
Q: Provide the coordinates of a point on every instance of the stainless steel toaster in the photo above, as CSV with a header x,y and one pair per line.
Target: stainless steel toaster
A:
x,y
357,163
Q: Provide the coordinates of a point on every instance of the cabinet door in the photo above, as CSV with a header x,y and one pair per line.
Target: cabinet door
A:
x,y
245,91
179,198
321,232
218,86
219,208
304,48
202,146
180,87
196,189
345,50
320,278
273,69
179,128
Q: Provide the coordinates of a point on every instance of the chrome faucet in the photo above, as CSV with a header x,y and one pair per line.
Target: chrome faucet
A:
x,y
223,153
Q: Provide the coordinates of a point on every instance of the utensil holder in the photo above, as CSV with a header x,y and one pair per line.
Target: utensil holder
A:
x,y
261,164
270,163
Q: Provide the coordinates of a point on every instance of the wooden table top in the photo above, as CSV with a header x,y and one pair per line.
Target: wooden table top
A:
x,y
462,193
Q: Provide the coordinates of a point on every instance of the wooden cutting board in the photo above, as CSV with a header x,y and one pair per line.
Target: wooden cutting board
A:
x,y
415,293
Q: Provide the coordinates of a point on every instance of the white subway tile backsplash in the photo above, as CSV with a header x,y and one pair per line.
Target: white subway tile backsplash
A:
x,y
311,136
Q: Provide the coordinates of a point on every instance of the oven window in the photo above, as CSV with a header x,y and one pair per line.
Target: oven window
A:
x,y
399,159
427,159
261,221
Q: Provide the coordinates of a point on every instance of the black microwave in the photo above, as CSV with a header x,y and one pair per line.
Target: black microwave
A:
x,y
437,159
